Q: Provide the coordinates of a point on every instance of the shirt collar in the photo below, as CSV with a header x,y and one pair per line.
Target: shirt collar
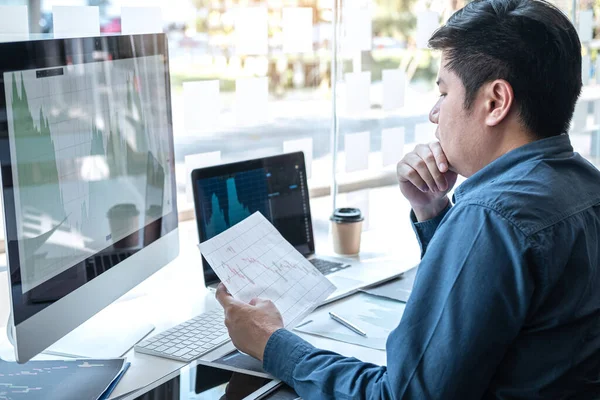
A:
x,y
538,149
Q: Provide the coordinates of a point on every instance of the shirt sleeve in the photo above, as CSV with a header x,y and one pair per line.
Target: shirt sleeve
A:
x,y
425,229
468,304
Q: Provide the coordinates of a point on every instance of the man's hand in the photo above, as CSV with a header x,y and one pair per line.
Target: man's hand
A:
x,y
425,179
250,325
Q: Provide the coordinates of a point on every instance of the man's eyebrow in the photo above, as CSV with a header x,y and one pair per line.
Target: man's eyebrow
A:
x,y
439,81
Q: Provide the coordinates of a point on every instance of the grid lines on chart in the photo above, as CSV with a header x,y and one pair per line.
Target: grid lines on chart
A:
x,y
254,260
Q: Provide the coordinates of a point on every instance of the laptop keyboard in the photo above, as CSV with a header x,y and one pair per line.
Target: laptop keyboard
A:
x,y
327,267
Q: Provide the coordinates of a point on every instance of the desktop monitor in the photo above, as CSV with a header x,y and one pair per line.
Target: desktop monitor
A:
x,y
88,178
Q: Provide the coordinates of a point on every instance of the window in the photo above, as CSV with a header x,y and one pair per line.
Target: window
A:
x,y
259,77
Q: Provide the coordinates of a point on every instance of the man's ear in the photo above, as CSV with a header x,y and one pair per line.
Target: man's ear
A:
x,y
499,98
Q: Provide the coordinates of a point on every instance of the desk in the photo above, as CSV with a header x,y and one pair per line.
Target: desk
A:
x,y
176,293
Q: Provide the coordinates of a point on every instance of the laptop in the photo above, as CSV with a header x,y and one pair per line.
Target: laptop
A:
x,y
276,187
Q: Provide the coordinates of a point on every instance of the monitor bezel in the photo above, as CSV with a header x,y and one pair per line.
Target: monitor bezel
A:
x,y
247,165
48,53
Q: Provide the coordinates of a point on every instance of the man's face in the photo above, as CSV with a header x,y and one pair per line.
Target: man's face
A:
x,y
459,131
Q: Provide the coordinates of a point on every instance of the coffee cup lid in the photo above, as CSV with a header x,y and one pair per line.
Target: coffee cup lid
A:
x,y
347,215
123,211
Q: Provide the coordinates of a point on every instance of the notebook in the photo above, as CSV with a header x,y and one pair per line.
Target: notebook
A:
x,y
85,379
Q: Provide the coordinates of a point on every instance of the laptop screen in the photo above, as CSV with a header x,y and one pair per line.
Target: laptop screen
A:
x,y
274,186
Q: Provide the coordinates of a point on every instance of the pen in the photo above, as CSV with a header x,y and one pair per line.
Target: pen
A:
x,y
347,324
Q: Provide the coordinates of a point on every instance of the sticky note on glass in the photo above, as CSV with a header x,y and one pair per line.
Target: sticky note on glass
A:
x,y
73,21
297,25
394,87
357,151
358,30
585,69
14,20
251,100
202,103
585,28
251,31
194,161
358,88
427,23
392,146
305,145
425,132
138,20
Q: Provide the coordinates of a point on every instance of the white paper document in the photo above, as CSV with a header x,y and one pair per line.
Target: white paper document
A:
x,y
202,101
358,29
394,86
297,29
392,145
427,23
73,21
253,260
358,146
377,316
252,100
586,26
14,20
358,92
139,20
251,31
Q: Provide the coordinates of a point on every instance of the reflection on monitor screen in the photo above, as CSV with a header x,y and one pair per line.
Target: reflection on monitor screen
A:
x,y
90,163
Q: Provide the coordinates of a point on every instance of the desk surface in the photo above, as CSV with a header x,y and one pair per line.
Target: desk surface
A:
x,y
176,293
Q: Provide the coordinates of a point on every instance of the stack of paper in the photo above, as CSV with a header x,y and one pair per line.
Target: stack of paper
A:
x,y
253,260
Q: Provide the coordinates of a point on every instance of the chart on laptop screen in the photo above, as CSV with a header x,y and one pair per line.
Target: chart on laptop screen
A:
x,y
76,133
278,191
227,200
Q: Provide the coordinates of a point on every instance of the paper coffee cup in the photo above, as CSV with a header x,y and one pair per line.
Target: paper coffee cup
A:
x,y
346,226
124,221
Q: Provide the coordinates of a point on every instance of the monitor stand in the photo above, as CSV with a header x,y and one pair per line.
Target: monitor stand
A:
x,y
109,334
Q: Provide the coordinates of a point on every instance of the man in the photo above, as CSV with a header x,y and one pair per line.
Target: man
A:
x,y
506,302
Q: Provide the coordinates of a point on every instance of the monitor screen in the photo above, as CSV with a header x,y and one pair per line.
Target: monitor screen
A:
x,y
273,186
88,179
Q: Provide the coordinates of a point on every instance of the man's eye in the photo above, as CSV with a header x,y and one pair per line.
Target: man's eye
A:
x,y
443,94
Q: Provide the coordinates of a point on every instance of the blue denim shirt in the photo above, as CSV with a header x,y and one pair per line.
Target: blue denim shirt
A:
x,y
506,302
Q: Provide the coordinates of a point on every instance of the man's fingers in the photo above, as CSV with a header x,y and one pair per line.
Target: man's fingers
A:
x,y
418,164
406,173
426,154
223,296
253,302
440,156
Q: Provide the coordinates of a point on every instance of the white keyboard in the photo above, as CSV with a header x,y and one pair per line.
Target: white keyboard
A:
x,y
190,339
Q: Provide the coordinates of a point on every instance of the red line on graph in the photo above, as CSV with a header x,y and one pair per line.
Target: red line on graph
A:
x,y
252,260
236,272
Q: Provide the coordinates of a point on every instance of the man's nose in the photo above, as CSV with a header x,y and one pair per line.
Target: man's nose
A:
x,y
434,113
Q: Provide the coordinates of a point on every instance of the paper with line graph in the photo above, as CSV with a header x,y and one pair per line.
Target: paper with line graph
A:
x,y
253,260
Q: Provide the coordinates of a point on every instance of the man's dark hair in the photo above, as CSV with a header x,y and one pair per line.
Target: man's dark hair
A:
x,y
529,43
